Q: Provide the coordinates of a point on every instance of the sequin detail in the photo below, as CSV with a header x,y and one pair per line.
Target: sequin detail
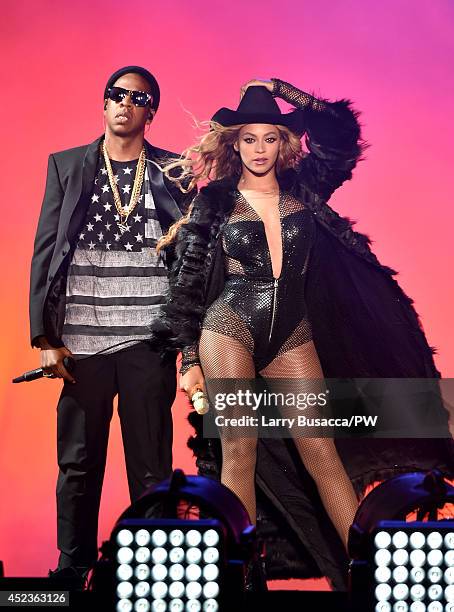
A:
x,y
267,315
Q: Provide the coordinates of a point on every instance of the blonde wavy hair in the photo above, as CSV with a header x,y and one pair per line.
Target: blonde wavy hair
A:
x,y
214,158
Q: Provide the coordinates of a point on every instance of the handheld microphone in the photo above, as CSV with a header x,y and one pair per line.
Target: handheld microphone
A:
x,y
68,362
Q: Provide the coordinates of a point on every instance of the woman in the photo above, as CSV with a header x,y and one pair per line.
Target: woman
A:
x,y
247,297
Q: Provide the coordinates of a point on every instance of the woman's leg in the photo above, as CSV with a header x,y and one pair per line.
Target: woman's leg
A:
x,y
225,357
319,455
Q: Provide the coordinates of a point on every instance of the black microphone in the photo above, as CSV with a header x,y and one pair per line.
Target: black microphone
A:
x,y
68,362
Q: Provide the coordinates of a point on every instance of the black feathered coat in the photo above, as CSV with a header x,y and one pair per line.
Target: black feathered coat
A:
x,y
363,325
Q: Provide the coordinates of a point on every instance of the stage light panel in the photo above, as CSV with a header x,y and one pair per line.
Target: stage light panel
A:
x,y
168,565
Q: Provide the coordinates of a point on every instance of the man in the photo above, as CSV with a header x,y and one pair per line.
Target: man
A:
x,y
96,285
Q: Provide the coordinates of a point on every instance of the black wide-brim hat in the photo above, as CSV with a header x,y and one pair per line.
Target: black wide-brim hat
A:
x,y
258,106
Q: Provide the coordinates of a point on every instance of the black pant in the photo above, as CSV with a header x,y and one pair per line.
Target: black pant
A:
x,y
146,387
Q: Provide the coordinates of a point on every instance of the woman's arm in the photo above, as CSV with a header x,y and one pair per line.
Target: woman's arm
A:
x,y
189,358
179,323
333,138
183,312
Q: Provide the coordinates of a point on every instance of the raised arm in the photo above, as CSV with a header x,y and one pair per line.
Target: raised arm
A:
x,y
333,137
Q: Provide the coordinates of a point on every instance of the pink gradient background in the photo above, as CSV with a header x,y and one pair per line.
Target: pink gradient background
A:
x,y
394,59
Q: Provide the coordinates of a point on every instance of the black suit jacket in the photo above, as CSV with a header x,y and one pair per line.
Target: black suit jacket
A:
x,y
70,179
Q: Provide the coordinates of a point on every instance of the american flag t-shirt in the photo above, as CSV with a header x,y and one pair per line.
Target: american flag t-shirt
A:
x,y
116,282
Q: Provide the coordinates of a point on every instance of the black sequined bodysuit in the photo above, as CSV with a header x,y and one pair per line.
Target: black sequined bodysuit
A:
x,y
266,314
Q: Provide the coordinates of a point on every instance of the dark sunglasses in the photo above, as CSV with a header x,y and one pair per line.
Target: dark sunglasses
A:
x,y
138,98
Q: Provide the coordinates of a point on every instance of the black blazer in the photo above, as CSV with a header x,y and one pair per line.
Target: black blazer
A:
x,y
70,178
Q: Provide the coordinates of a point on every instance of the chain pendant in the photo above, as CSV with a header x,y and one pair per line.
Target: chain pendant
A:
x,y
123,226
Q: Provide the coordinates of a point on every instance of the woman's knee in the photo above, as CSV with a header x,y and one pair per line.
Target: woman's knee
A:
x,y
239,451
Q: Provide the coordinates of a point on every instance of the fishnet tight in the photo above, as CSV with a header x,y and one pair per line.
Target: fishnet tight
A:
x,y
225,357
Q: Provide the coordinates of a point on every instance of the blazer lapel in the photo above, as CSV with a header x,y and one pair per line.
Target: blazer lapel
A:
x,y
81,198
166,207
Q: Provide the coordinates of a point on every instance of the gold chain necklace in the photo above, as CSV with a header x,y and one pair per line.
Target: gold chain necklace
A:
x,y
125,211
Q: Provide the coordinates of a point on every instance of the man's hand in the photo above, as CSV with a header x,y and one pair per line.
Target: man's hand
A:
x,y
254,83
52,360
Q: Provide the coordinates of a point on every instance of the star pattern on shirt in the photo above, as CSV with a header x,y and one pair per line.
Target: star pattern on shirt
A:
x,y
114,233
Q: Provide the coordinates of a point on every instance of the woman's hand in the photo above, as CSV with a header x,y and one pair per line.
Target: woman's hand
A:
x,y
192,377
193,383
254,83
